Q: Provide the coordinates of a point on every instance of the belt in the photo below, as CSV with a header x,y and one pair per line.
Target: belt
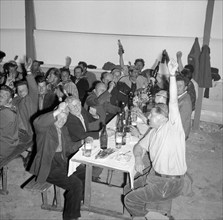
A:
x,y
167,176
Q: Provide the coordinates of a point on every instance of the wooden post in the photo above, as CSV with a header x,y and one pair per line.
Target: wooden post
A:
x,y
30,26
206,40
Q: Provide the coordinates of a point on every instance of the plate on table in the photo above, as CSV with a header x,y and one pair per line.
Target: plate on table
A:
x,y
123,157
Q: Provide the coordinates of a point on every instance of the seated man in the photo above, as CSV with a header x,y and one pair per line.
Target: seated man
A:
x,y
81,82
50,163
166,145
67,84
78,121
27,100
100,98
91,77
134,81
120,92
9,138
47,99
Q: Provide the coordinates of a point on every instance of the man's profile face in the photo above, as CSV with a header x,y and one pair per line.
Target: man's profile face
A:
x,y
154,118
107,78
181,87
100,89
22,90
5,98
116,75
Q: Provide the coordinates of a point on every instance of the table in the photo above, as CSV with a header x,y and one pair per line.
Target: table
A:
x,y
109,162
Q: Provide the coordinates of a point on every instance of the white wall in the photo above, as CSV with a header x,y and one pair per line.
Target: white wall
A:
x,y
89,30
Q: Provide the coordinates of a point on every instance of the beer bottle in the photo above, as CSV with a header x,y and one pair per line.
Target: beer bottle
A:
x,y
104,138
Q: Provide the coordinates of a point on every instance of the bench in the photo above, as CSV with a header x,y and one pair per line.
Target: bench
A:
x,y
32,185
3,164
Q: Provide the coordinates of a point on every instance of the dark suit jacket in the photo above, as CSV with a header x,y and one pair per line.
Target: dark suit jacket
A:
x,y
82,87
47,143
120,94
76,129
50,101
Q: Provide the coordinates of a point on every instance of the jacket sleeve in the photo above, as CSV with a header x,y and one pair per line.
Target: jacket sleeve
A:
x,y
104,97
77,131
92,100
33,89
44,121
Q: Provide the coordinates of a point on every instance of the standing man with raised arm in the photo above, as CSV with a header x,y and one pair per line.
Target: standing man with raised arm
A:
x,y
166,146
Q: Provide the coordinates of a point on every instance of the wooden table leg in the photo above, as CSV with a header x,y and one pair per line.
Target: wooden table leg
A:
x,y
87,192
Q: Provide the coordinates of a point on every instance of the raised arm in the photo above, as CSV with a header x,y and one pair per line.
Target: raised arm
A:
x,y
45,120
33,89
173,101
179,61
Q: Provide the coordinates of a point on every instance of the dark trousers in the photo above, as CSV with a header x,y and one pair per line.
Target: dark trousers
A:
x,y
73,185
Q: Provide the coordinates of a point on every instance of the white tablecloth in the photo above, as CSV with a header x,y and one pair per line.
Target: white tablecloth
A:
x,y
114,161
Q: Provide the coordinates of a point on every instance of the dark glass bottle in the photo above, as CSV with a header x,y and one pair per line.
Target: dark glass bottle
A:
x,y
156,70
104,138
129,121
130,99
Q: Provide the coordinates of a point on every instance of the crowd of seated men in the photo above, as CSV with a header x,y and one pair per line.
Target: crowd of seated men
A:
x,y
46,107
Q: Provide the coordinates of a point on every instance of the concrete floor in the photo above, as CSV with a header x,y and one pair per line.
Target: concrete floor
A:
x,y
204,160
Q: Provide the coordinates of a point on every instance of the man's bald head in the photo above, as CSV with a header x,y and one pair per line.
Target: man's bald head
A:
x,y
100,88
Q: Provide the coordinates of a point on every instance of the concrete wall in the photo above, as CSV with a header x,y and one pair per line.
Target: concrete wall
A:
x,y
89,30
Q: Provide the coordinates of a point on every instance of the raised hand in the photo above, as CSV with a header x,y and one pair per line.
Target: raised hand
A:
x,y
28,64
62,107
68,61
120,48
172,67
179,54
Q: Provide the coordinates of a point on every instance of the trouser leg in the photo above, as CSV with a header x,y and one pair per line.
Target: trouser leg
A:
x,y
72,184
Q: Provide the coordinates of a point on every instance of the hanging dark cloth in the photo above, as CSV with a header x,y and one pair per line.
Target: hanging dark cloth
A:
x,y
193,58
205,80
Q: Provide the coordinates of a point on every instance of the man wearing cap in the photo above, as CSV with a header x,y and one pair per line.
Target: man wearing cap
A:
x,y
166,145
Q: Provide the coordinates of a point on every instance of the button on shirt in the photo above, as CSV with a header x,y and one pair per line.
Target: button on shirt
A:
x,y
166,146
